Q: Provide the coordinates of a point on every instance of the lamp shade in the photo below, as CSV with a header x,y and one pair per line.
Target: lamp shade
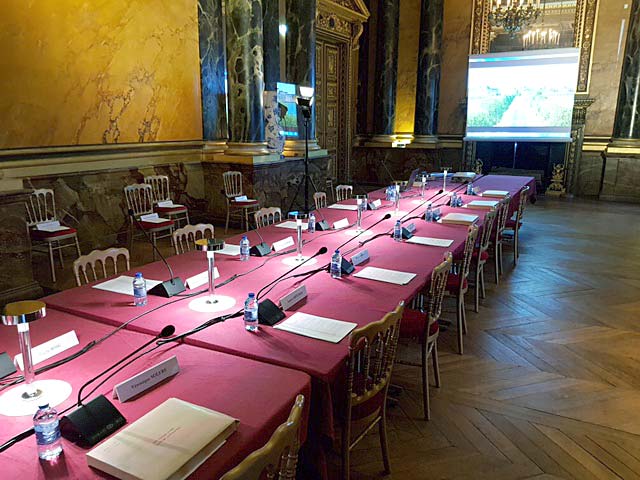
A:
x,y
209,244
26,311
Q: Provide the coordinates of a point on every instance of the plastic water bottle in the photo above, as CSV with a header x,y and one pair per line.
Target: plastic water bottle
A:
x,y
251,313
311,226
454,200
47,427
428,215
139,290
397,231
244,249
336,265
470,188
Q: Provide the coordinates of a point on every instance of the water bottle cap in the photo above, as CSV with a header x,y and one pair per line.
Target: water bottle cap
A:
x,y
138,275
244,237
252,295
337,251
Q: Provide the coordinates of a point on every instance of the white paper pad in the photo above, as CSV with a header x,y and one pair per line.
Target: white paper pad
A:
x,y
432,242
292,225
169,204
483,204
494,193
312,326
384,275
123,284
52,228
229,249
339,206
459,219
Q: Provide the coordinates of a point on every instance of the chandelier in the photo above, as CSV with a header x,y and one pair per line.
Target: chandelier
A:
x,y
514,15
541,38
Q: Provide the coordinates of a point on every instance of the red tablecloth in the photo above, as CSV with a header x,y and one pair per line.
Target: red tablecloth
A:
x,y
258,394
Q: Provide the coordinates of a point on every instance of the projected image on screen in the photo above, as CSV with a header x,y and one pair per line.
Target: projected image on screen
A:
x,y
288,109
518,96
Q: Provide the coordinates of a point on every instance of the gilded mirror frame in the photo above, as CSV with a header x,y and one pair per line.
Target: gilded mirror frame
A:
x,y
585,25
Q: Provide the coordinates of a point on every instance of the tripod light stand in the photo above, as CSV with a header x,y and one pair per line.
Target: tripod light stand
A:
x,y
304,101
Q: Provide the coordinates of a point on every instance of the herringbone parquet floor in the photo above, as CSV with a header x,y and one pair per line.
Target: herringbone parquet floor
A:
x,y
549,386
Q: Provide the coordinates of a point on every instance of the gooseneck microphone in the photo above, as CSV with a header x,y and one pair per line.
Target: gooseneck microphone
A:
x,y
170,287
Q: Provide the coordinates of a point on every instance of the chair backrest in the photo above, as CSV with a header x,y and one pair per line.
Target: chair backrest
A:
x,y
267,216
41,207
139,198
232,184
502,216
487,228
522,201
184,238
372,351
159,187
279,457
469,246
343,192
81,264
437,289
320,199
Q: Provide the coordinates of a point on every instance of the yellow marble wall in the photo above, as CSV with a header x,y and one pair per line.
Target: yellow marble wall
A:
x,y
77,72
608,54
408,42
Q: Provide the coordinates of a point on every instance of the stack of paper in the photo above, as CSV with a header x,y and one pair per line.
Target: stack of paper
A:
x,y
153,218
495,193
459,219
171,441
339,206
483,204
168,204
313,326
432,242
123,284
385,275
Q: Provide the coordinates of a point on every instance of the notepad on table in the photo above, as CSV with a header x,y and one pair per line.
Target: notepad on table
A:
x,y
292,225
484,204
459,219
495,193
229,249
432,242
313,326
123,284
169,442
385,275
339,206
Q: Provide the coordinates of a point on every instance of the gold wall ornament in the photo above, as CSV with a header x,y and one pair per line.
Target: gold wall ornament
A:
x,y
479,165
557,181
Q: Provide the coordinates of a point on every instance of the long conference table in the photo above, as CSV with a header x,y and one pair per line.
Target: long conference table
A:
x,y
352,299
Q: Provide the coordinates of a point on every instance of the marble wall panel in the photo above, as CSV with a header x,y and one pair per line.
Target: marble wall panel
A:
x,y
408,39
589,174
116,71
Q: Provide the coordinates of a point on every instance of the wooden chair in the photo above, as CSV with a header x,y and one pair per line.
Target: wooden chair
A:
x,y
267,216
161,193
279,457
497,236
423,324
481,255
140,200
511,231
458,283
41,208
320,199
84,262
372,351
184,238
343,192
233,189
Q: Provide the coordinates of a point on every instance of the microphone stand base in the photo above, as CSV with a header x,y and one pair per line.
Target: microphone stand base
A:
x,y
205,305
168,289
91,422
293,261
17,401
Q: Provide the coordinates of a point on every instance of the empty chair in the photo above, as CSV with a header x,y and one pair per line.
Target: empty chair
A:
x,y
140,201
372,351
99,258
45,229
502,214
458,283
343,192
267,216
511,231
423,325
279,457
481,255
160,190
237,207
320,199
184,238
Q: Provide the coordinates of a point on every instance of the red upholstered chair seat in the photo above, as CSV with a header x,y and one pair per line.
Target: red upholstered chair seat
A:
x,y
414,323
152,225
170,210
42,235
453,283
483,256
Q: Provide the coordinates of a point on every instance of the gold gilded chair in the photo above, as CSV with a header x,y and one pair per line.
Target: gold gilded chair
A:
x,y
481,255
184,238
320,199
343,192
279,457
511,231
84,263
160,190
497,236
372,351
241,208
267,216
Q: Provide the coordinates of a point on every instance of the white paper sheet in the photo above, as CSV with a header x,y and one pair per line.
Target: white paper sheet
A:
x,y
292,225
494,193
52,228
482,204
313,326
432,242
123,284
459,219
229,249
385,275
339,206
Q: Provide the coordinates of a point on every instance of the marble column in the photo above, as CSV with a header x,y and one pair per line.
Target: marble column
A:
x,y
212,74
429,65
271,35
245,77
300,64
386,71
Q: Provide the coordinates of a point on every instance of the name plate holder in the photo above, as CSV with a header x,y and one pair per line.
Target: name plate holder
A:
x,y
293,298
360,257
50,348
376,204
341,224
143,381
282,244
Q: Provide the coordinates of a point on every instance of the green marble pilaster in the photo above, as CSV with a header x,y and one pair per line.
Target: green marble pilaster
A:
x,y
271,35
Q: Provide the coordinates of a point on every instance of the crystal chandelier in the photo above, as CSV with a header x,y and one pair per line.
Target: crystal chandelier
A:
x,y
541,38
514,15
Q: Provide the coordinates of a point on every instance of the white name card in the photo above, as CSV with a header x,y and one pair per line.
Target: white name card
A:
x,y
376,203
201,278
341,224
48,349
282,244
147,379
360,257
294,297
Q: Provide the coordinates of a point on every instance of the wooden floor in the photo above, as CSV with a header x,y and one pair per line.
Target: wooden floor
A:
x,y
549,386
